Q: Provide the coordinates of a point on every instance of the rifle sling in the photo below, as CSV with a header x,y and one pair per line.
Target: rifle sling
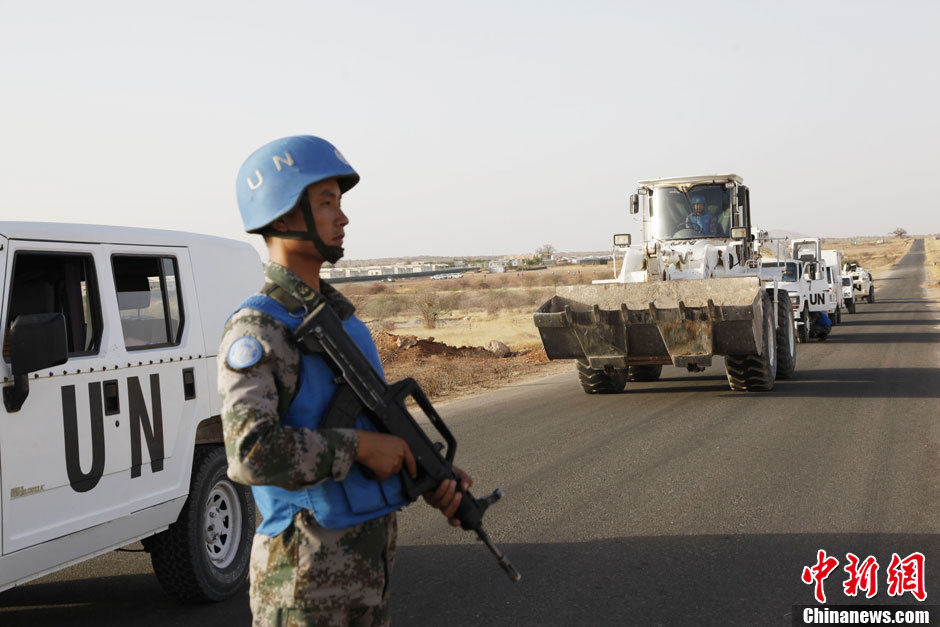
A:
x,y
345,406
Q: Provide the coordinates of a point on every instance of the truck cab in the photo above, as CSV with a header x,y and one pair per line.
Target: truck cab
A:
x,y
806,285
862,282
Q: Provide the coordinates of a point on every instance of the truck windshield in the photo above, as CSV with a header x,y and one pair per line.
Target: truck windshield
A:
x,y
789,270
701,211
847,281
805,251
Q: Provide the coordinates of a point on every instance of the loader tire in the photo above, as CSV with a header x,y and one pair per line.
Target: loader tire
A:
x,y
756,373
786,339
598,381
649,372
803,336
871,295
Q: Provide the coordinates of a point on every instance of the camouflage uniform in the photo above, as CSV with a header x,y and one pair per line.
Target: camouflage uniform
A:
x,y
306,575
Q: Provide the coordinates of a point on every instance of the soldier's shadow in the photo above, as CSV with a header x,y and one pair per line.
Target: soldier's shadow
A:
x,y
660,580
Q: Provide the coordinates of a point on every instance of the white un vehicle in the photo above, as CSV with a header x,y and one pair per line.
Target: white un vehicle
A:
x,y
110,429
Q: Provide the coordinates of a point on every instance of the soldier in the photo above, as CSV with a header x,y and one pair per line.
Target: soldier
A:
x,y
324,550
701,220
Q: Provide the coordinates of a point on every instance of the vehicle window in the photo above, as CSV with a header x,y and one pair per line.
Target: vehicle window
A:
x,y
148,299
57,283
675,216
846,281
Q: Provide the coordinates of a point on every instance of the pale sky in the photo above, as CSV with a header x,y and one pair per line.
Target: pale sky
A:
x,y
478,128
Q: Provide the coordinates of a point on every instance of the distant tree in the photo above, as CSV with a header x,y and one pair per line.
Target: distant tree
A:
x,y
545,251
899,232
431,305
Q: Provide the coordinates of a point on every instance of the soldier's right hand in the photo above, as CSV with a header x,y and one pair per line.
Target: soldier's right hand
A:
x,y
384,454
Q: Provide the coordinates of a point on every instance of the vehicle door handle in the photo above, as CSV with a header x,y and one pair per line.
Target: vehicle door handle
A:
x,y
112,400
189,384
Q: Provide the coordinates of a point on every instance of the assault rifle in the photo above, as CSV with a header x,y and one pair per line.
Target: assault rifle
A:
x,y
362,390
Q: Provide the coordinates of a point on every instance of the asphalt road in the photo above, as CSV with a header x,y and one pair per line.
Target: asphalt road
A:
x,y
675,503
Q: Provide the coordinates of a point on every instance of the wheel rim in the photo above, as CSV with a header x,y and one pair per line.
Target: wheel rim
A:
x,y
222,524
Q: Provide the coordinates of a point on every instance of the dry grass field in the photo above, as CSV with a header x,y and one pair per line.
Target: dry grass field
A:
x,y
424,327
932,248
470,311
868,253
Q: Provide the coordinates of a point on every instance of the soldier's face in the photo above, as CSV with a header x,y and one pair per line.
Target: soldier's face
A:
x,y
698,208
325,199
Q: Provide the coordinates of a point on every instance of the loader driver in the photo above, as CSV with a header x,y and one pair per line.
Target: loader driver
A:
x,y
323,552
700,220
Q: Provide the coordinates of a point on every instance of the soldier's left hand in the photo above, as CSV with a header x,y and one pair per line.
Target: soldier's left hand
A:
x,y
447,497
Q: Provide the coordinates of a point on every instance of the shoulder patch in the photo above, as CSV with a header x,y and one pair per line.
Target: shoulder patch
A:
x,y
244,353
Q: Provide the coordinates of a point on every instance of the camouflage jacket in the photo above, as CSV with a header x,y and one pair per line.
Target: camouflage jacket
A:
x,y
260,450
306,566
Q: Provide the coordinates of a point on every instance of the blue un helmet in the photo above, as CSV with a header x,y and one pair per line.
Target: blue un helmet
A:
x,y
272,181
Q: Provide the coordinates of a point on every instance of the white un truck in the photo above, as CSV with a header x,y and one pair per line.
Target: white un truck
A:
x,y
110,429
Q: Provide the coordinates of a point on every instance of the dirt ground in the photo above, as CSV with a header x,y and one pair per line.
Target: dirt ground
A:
x,y
447,372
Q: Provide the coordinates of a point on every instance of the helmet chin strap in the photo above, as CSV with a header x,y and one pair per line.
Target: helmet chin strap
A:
x,y
329,253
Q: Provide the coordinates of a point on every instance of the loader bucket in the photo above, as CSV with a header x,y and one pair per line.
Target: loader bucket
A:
x,y
615,325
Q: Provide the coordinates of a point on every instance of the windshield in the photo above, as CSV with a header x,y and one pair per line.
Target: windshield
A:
x,y
790,272
846,281
805,251
702,211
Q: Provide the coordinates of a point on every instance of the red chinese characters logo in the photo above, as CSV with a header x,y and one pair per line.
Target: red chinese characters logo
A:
x,y
862,576
907,575
903,575
818,573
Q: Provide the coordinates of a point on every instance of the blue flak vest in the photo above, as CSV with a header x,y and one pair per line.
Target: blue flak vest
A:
x,y
704,221
335,504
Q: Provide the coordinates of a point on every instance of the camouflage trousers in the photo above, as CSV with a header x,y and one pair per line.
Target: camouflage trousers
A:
x,y
310,575
358,617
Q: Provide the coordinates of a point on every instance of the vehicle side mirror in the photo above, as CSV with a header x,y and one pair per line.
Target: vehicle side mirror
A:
x,y
37,341
634,204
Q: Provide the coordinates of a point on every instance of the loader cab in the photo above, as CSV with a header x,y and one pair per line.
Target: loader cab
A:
x,y
693,208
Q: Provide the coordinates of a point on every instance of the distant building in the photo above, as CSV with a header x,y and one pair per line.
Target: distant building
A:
x,y
596,261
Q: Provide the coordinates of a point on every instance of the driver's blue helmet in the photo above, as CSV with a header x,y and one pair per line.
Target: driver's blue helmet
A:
x,y
698,199
271,179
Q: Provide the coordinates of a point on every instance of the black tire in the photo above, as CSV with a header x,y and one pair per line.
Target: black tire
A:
x,y
191,564
756,373
598,381
803,336
851,306
650,372
837,316
786,338
871,295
